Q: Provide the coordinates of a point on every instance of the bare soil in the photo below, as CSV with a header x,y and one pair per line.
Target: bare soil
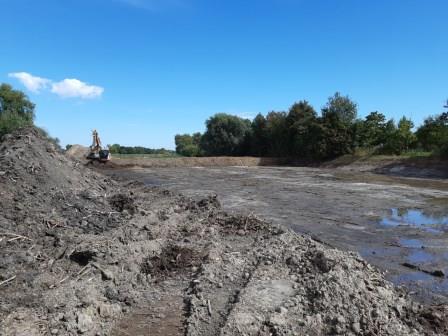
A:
x,y
341,207
81,253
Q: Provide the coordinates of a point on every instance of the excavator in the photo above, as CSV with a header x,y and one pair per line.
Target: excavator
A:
x,y
97,153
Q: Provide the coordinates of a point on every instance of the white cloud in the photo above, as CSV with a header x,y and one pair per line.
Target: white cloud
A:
x,y
32,83
74,88
67,88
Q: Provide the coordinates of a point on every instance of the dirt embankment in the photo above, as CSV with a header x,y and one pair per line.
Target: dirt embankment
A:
x,y
83,254
212,161
420,167
424,167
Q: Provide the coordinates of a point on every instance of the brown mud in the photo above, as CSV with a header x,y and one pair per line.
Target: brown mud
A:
x,y
83,254
342,208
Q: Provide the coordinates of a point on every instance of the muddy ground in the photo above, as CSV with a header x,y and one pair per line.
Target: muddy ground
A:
x,y
345,208
84,254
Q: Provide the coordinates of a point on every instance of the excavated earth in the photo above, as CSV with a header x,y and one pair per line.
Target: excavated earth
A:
x,y
81,253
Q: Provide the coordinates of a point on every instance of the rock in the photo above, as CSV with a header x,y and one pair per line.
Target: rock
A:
x,y
84,322
356,327
281,310
438,273
109,310
54,331
107,274
340,319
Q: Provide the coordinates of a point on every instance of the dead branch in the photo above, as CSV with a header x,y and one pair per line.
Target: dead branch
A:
x,y
15,236
7,280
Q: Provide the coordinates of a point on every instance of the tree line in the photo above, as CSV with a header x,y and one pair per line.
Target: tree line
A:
x,y
118,149
303,133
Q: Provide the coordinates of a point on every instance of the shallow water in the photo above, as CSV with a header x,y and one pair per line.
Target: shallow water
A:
x,y
434,223
418,257
411,243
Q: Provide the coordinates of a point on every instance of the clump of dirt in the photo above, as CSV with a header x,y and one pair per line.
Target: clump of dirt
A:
x,y
242,225
73,260
122,202
173,260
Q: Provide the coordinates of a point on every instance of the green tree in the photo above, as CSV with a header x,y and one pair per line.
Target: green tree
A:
x,y
370,132
225,135
188,145
433,134
337,121
341,106
277,130
260,136
337,137
304,130
399,138
114,149
16,110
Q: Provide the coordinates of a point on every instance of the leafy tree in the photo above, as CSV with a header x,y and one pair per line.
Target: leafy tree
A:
x,y
114,149
399,138
188,145
304,130
277,130
371,131
337,136
16,110
338,117
342,106
225,135
407,138
433,134
260,137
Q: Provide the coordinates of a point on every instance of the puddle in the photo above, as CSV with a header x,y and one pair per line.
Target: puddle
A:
x,y
411,243
414,217
420,257
421,279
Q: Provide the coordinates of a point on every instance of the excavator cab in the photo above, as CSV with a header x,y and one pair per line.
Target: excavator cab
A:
x,y
97,153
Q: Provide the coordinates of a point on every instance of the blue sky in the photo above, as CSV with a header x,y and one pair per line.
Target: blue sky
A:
x,y
141,71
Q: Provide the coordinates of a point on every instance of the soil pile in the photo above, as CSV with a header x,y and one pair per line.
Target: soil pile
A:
x,y
83,254
77,152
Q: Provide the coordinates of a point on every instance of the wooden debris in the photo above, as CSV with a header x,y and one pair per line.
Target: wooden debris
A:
x,y
7,280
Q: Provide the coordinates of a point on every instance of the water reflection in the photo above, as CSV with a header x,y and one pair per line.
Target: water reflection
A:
x,y
414,217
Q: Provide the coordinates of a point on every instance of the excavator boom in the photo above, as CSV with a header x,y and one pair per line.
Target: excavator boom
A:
x,y
97,153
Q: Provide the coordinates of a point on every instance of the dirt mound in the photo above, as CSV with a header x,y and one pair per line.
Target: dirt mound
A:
x,y
83,254
77,152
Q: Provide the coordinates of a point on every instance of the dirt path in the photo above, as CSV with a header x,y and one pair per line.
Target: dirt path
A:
x,y
339,207
165,316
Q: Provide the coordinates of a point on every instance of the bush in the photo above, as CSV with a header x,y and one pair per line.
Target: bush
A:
x,y
10,121
16,110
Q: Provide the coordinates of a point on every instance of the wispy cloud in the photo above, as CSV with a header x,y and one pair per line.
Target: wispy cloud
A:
x,y
67,88
32,83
